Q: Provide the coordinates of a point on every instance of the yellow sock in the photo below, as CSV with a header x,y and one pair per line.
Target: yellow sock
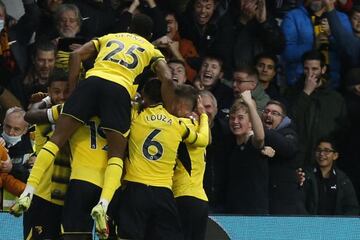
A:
x,y
43,161
112,177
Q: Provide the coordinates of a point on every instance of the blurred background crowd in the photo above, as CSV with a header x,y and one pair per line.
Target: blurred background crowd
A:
x,y
299,59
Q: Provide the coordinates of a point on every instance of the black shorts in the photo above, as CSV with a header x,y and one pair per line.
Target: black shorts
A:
x,y
194,215
109,101
147,212
81,197
42,220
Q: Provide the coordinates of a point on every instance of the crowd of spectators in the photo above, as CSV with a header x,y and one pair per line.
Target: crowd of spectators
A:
x,y
300,60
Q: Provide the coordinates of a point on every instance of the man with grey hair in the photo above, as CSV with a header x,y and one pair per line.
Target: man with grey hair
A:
x,y
16,139
68,20
210,105
214,177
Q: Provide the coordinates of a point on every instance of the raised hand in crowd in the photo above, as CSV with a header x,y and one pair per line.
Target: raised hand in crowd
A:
x,y
253,9
323,36
248,10
246,97
311,83
151,3
134,5
325,27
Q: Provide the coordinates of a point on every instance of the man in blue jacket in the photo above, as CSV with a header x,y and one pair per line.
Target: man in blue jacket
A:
x,y
349,42
306,28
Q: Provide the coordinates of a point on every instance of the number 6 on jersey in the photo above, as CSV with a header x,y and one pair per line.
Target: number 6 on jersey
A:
x,y
152,149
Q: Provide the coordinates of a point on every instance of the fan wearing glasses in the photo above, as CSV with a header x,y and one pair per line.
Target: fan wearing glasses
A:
x,y
281,143
328,190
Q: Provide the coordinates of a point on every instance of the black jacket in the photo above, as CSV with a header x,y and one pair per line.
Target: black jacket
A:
x,y
19,153
216,39
285,195
254,38
20,35
346,200
216,162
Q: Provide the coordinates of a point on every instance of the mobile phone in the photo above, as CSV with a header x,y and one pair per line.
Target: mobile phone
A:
x,y
64,43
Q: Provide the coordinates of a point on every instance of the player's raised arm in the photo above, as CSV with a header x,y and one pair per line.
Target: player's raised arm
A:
x,y
203,132
167,85
76,57
200,137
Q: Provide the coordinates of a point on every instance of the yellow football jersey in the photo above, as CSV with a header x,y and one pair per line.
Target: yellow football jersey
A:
x,y
122,57
190,167
89,153
53,185
154,138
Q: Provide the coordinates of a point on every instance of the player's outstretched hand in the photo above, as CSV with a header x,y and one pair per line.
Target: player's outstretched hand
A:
x,y
99,215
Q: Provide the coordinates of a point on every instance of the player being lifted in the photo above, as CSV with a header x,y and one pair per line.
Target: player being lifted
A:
x,y
106,92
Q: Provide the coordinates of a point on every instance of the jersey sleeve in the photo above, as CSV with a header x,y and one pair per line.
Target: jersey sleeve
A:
x,y
97,41
56,111
199,137
156,56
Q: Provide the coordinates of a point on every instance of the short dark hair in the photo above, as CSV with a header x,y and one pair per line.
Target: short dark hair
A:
x,y
142,25
188,93
280,104
216,57
271,56
58,75
44,45
250,70
173,13
152,90
178,61
314,55
354,9
330,140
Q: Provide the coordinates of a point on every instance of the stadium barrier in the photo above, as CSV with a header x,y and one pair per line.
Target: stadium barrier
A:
x,y
246,227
